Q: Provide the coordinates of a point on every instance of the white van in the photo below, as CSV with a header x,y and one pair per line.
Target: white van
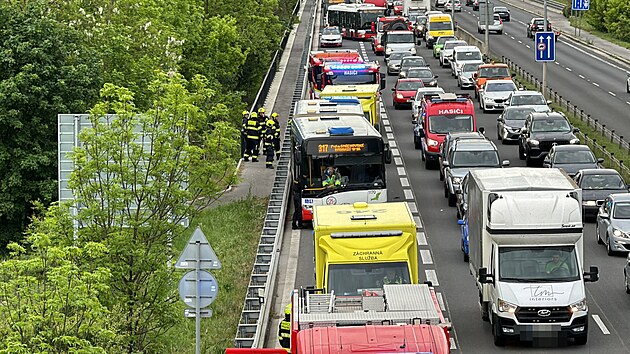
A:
x,y
463,55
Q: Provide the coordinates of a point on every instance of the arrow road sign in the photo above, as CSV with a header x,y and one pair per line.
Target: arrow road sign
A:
x,y
545,46
207,259
580,5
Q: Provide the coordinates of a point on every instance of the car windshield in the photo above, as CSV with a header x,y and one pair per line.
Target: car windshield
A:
x,y
539,22
500,9
602,182
473,55
440,26
352,279
621,211
569,157
487,158
411,62
328,31
470,68
516,113
400,38
551,125
494,72
442,124
397,55
419,73
451,45
409,85
538,264
442,40
500,86
525,100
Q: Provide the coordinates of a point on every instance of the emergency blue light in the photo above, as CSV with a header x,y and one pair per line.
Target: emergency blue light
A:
x,y
350,67
336,131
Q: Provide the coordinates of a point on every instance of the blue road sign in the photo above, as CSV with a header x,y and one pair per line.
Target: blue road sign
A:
x,y
580,5
545,46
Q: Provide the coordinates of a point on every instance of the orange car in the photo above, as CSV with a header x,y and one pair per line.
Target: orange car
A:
x,y
490,71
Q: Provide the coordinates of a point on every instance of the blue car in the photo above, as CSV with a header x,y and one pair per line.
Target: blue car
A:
x,y
463,223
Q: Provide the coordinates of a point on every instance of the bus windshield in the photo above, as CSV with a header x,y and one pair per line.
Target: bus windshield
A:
x,y
369,16
440,26
352,77
352,279
355,171
443,124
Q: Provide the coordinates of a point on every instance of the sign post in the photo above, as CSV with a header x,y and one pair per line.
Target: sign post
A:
x,y
198,288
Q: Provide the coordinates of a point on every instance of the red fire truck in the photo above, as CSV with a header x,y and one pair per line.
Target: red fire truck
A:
x,y
318,60
387,23
441,114
345,69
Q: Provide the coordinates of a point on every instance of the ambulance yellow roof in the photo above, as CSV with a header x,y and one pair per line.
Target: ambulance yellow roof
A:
x,y
377,216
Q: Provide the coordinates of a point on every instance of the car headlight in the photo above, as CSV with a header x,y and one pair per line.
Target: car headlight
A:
x,y
432,142
389,50
457,180
505,306
399,96
432,83
533,142
589,203
579,306
619,233
574,141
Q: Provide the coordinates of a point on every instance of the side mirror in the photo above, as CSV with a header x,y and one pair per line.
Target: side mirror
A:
x,y
576,130
600,160
298,157
549,102
460,222
484,277
499,119
388,155
402,75
435,76
482,130
445,163
513,75
592,275
474,76
603,215
393,89
505,163
383,80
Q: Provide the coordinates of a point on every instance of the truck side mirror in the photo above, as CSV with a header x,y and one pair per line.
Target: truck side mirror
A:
x,y
484,277
388,155
482,130
460,222
383,80
592,275
505,163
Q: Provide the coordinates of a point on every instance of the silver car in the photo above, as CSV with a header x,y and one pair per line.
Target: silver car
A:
x,y
393,62
613,223
527,98
465,77
494,93
496,26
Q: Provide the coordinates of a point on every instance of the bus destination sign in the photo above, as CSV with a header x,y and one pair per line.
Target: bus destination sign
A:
x,y
341,148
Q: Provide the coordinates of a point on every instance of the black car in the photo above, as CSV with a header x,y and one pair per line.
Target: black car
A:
x,y
597,184
571,158
510,123
410,62
423,73
542,131
449,140
503,13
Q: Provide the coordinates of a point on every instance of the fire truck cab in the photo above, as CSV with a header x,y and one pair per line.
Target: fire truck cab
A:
x,y
387,23
318,60
442,114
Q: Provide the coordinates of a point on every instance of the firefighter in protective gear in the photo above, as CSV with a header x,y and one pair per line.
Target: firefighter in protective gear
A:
x,y
269,134
284,330
332,178
252,129
276,137
243,133
262,121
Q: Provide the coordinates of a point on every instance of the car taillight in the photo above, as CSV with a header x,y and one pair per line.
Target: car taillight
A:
x,y
500,22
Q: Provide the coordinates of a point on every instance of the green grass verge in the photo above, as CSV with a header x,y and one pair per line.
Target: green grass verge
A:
x,y
233,230
585,26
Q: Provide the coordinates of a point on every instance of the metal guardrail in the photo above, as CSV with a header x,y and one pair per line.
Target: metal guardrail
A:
x,y
254,319
599,148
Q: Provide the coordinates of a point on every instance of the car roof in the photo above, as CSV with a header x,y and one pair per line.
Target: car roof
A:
x,y
572,147
430,89
599,171
546,115
412,79
474,145
526,93
621,197
466,48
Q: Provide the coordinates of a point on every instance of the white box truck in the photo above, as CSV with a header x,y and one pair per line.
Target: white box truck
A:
x,y
416,5
526,253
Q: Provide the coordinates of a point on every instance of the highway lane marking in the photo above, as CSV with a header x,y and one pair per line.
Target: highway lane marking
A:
x,y
593,56
426,258
627,102
512,37
393,144
404,182
390,136
395,152
601,324
385,122
398,161
527,45
612,94
453,346
568,68
556,63
581,76
432,277
596,84
520,42
421,238
408,194
440,300
418,222
388,129
401,171
412,207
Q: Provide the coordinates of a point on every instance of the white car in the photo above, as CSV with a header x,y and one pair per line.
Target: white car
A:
x,y
463,55
448,6
527,98
496,26
465,79
416,104
494,94
446,53
330,37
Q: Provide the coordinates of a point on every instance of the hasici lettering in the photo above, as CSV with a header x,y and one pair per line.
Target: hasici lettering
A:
x,y
451,111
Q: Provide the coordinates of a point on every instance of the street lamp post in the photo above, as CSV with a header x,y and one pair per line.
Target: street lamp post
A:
x,y
544,68
486,32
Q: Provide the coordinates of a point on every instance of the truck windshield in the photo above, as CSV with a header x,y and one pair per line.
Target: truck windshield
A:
x,y
442,124
538,264
400,38
352,279
352,77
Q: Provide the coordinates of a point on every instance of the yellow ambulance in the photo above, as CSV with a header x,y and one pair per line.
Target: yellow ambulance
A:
x,y
368,94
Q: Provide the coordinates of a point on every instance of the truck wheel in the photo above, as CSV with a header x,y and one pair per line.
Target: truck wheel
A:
x,y
499,339
581,340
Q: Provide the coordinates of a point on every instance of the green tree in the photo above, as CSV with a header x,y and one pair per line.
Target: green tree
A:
x,y
137,176
617,19
50,290
596,14
44,70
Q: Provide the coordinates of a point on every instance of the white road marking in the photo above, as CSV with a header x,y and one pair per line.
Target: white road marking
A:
x,y
426,257
612,94
386,122
512,37
453,346
421,238
432,277
390,136
556,63
440,301
521,22
388,129
601,324
596,84
412,207
393,143
401,171
395,152
398,161
520,42
581,76
592,55
628,103
408,194
528,47
568,68
404,182
418,222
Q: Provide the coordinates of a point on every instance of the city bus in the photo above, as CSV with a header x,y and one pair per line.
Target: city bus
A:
x,y
351,145
355,20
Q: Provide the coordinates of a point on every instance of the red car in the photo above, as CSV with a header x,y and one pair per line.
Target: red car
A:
x,y
398,7
404,91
